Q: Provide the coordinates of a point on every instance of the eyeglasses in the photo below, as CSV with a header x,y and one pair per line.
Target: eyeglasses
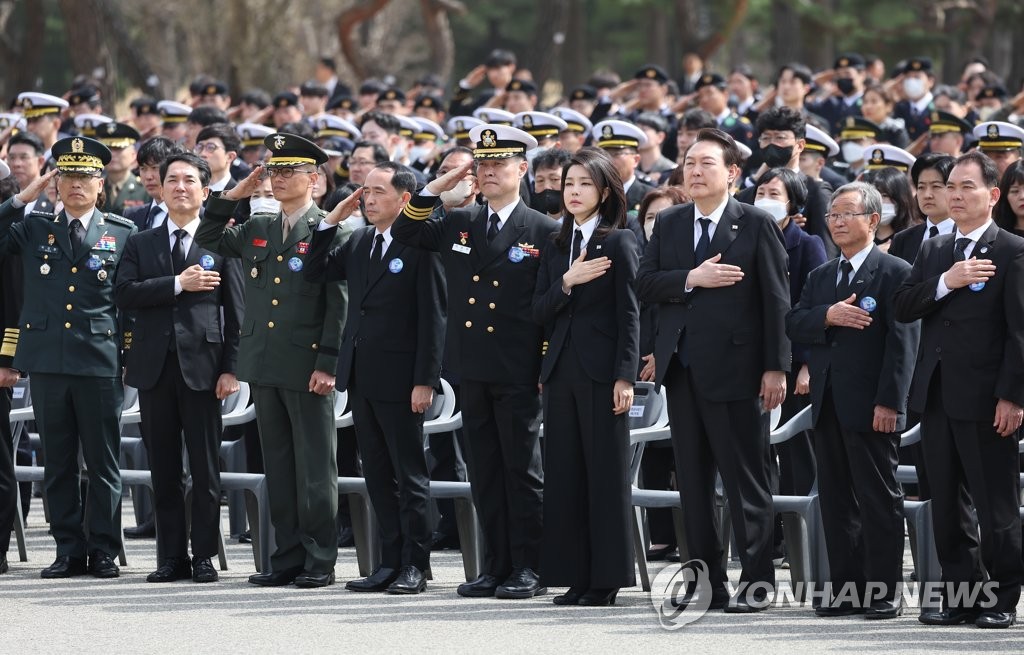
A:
x,y
286,173
777,139
360,162
209,147
835,218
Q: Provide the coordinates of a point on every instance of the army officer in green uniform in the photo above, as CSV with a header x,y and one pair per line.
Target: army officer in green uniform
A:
x,y
122,188
288,355
68,343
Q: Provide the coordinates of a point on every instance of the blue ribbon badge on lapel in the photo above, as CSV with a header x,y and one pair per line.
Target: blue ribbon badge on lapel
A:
x,y
206,261
396,265
977,286
515,254
868,304
94,263
295,264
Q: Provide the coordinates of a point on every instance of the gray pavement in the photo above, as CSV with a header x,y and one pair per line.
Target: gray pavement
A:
x,y
84,615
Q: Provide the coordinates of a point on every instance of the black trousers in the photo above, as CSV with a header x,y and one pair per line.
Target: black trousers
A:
x,y
861,504
169,410
8,484
505,471
968,454
730,438
587,493
390,437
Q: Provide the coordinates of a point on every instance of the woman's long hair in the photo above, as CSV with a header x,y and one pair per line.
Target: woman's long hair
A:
x,y
611,210
1003,214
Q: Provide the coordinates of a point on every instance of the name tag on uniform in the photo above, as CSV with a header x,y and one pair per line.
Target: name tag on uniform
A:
x,y
461,248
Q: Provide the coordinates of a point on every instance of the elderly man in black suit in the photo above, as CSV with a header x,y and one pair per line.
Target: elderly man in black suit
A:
x,y
967,288
718,271
861,361
187,303
390,363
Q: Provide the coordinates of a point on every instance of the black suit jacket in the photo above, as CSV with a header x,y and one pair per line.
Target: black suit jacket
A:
x,y
205,324
907,243
733,334
865,367
491,333
396,313
976,337
601,317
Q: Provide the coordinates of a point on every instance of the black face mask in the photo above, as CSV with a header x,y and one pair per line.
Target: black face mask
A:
x,y
776,156
845,85
548,201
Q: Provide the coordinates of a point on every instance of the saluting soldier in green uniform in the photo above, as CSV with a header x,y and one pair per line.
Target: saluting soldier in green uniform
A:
x,y
288,355
123,188
68,342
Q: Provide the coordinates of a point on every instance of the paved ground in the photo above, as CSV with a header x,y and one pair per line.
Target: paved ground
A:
x,y
130,615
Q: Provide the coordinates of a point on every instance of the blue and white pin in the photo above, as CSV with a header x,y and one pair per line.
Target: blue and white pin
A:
x,y
978,286
396,265
295,264
515,254
868,304
206,261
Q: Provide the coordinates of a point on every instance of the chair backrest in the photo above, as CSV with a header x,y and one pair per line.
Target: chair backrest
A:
x,y
131,400
236,401
340,403
21,397
443,406
649,407
911,436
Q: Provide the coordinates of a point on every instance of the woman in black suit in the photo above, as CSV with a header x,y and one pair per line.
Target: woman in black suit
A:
x,y
1009,211
585,299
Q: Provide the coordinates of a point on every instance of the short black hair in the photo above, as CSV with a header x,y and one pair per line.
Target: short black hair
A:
x,y
402,178
651,120
379,153
256,97
29,139
154,151
782,119
223,132
989,170
799,71
794,184
328,62
697,119
299,128
730,152
938,162
207,115
551,158
387,122
191,159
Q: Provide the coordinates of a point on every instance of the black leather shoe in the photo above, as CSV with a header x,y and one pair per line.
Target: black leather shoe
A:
x,y
4,566
951,616
482,587
523,583
742,604
276,578
346,538
996,619
312,579
599,597
172,569
719,599
660,553
840,609
64,567
571,597
885,609
379,580
245,537
410,581
442,541
147,530
102,565
203,571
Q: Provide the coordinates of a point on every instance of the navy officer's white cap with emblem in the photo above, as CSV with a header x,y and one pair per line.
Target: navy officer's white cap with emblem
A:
x,y
252,134
539,124
820,143
575,121
407,126
173,112
618,134
4,170
34,105
999,136
500,142
458,127
87,123
494,116
7,119
330,125
429,130
884,155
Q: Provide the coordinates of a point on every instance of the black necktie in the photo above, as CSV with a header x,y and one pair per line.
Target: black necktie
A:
x,y
843,288
492,231
577,243
960,249
178,251
154,211
378,250
700,253
77,233
933,231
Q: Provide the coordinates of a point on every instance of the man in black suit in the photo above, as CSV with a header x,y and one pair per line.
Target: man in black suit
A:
x,y
861,363
390,363
718,271
188,305
152,155
10,308
968,290
491,255
928,175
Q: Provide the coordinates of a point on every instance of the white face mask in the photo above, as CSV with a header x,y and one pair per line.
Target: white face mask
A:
x,y
852,152
457,195
914,88
419,153
264,206
888,213
776,208
985,113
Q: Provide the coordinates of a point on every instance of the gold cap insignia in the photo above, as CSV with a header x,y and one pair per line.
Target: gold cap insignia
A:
x,y
460,126
607,132
77,145
993,131
515,86
211,90
850,121
935,117
651,73
489,139
843,62
279,141
527,121
915,65
111,128
877,157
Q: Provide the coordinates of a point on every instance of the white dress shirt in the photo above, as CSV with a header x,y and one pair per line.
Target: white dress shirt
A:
x,y
186,244
941,290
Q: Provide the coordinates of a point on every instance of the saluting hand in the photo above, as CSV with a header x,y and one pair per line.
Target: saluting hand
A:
x,y
245,188
582,271
967,272
845,314
450,180
710,274
32,191
194,278
344,208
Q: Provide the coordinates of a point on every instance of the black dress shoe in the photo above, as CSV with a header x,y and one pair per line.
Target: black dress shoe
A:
x,y
146,530
245,537
719,599
571,597
346,538
845,608
276,578
523,583
172,569
312,579
442,541
995,619
379,580
410,581
482,587
598,597
4,566
102,565
203,571
885,609
64,567
950,616
743,604
659,553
